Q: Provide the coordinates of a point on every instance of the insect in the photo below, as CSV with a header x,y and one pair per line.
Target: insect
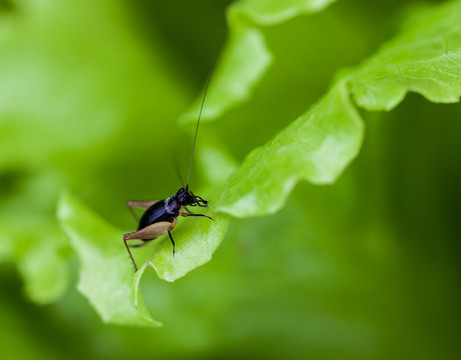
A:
x,y
161,216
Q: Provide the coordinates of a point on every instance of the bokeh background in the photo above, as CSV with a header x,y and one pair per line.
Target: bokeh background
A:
x,y
90,94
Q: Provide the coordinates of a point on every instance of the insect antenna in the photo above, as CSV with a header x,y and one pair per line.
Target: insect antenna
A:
x,y
178,174
176,167
201,108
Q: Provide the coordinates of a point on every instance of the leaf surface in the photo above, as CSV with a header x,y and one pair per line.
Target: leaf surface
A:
x,y
425,58
106,274
246,57
316,147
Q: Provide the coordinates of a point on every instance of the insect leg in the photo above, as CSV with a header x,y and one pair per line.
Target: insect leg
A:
x,y
182,213
130,204
136,218
129,253
150,232
141,244
172,241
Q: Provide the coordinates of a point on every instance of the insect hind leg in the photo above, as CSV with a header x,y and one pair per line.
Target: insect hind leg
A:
x,y
141,244
130,204
129,253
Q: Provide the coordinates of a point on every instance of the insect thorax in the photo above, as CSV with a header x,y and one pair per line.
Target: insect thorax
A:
x,y
171,205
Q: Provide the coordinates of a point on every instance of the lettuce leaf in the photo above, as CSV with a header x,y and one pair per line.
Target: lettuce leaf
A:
x,y
317,147
106,274
246,57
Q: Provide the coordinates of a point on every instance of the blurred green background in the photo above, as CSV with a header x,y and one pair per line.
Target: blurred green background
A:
x,y
90,94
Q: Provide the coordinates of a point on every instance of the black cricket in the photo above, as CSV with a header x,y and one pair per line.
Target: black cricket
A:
x,y
161,216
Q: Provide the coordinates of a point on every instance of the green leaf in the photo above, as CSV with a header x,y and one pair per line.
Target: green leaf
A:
x,y
316,147
246,57
273,12
106,272
86,98
45,271
33,239
196,240
215,163
244,62
424,58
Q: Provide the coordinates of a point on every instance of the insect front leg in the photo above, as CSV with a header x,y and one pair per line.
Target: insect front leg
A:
x,y
182,213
